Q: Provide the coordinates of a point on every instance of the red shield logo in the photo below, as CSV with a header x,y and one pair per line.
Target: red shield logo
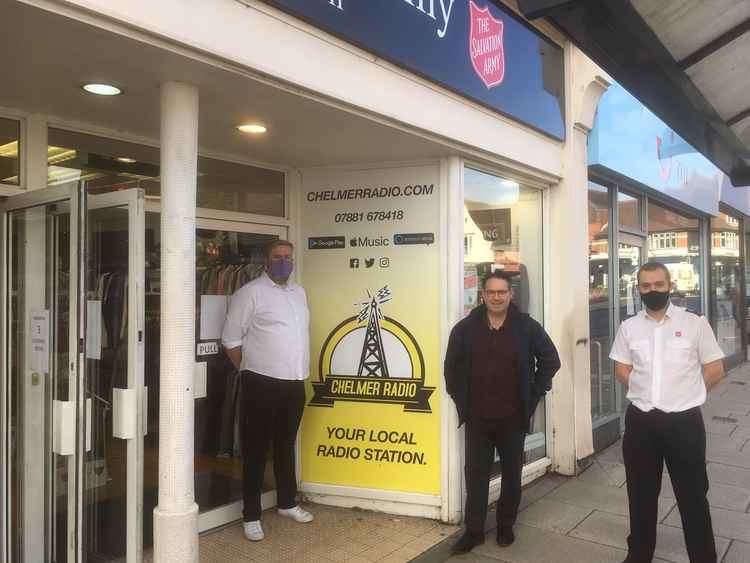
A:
x,y
486,45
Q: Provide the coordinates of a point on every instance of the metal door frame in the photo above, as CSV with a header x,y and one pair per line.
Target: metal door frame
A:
x,y
63,193
79,204
133,200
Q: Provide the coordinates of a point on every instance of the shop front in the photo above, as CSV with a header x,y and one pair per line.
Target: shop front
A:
x,y
652,197
129,220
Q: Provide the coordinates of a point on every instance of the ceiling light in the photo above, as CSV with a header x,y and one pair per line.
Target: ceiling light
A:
x,y
252,128
102,89
126,160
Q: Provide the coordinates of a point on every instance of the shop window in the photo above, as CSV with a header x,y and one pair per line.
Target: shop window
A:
x,y
604,403
10,151
674,240
726,283
503,231
109,165
629,212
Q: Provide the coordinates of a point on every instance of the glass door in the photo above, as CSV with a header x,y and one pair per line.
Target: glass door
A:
x,y
114,388
228,255
71,416
39,375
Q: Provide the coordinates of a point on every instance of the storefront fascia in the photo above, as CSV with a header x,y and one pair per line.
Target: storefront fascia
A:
x,y
485,141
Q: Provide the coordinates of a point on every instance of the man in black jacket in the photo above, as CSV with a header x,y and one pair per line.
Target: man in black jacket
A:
x,y
499,364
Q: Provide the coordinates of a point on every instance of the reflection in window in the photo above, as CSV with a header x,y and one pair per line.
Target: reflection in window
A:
x,y
10,138
726,270
674,240
629,211
503,231
109,165
603,384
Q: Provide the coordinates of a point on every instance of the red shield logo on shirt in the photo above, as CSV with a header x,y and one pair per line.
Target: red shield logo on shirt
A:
x,y
486,45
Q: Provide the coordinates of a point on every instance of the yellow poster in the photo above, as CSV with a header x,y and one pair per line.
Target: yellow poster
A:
x,y
371,269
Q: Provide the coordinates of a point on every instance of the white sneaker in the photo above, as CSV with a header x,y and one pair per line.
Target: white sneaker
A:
x,y
297,514
253,530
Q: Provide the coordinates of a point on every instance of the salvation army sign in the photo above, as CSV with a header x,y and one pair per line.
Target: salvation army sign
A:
x,y
477,48
486,46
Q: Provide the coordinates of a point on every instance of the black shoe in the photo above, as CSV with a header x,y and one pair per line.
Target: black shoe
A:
x,y
466,543
505,536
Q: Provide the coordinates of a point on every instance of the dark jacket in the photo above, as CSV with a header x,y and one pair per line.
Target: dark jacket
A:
x,y
537,360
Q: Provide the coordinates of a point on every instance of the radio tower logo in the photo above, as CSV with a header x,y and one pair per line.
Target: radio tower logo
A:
x,y
373,362
372,358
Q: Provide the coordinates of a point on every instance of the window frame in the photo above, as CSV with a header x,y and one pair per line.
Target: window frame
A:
x,y
13,189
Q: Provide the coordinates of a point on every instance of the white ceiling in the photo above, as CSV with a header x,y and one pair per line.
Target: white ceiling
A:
x,y
723,76
47,57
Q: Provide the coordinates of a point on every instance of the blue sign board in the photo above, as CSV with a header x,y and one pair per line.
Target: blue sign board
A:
x,y
473,47
629,139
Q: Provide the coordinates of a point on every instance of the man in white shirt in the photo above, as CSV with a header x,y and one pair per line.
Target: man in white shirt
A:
x,y
266,336
667,358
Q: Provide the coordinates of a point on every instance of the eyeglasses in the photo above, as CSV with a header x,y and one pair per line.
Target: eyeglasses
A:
x,y
496,292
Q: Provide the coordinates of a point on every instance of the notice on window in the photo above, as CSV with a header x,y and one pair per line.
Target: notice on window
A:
x,y
94,330
39,333
213,313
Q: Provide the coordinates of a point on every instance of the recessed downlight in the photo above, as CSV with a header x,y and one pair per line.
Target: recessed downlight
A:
x,y
101,89
252,128
125,160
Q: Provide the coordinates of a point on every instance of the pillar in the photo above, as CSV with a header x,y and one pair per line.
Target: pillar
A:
x,y
569,262
176,515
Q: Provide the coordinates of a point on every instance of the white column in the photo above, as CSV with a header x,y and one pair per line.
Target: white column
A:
x,y
569,290
176,516
452,437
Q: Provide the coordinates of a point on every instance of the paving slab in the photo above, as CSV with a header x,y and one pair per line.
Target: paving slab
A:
x,y
729,475
600,497
613,529
553,516
729,497
533,545
738,552
611,473
720,428
727,523
727,453
740,437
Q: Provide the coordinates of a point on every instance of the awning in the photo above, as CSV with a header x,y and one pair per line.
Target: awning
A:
x,y
687,61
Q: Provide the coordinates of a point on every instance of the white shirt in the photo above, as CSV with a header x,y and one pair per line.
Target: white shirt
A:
x,y
667,358
271,322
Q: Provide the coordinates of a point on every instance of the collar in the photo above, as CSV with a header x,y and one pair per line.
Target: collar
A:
x,y
290,285
671,311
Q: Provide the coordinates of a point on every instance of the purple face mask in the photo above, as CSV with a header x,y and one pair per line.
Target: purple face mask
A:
x,y
280,269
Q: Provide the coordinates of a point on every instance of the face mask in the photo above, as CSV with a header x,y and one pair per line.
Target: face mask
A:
x,y
655,300
280,269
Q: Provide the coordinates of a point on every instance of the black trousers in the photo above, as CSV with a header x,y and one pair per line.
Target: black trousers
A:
x,y
482,437
679,439
271,412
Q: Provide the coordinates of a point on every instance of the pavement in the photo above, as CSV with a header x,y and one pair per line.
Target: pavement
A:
x,y
584,519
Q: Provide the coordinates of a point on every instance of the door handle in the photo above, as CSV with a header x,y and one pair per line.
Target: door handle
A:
x,y
89,408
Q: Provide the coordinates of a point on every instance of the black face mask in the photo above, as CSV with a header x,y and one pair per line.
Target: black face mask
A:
x,y
655,300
